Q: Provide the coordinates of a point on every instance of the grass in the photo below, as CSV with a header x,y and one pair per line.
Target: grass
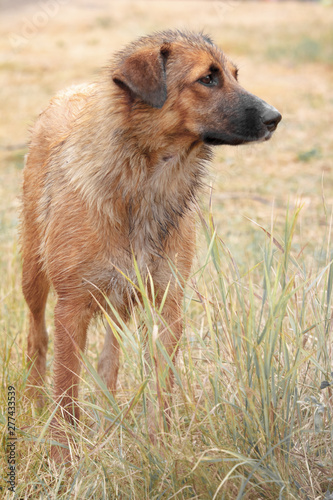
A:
x,y
252,410
248,417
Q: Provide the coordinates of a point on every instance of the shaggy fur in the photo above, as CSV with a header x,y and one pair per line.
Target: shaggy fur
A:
x,y
113,171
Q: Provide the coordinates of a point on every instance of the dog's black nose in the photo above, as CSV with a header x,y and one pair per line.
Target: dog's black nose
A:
x,y
271,118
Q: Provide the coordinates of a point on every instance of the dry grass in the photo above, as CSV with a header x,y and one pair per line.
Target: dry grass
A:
x,y
225,429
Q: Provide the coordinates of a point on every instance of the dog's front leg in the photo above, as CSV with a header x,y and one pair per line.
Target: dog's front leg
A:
x,y
71,323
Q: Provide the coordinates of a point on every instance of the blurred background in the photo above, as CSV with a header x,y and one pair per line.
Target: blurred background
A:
x,y
284,51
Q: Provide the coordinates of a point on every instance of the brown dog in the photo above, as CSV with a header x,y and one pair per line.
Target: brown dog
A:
x,y
113,171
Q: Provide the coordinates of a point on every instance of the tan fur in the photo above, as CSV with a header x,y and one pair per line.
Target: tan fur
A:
x,y
113,171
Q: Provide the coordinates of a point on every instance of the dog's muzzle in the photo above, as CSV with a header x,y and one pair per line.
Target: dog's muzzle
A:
x,y
246,119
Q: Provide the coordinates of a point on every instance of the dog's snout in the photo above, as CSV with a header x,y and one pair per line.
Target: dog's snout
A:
x,y
271,118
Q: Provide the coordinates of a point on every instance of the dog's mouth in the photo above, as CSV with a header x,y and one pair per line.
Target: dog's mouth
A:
x,y
220,139
223,138
267,136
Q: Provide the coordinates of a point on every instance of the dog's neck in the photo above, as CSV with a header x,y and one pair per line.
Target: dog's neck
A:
x,y
165,194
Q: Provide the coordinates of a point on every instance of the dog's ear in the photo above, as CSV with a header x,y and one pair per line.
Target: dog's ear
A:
x,y
143,74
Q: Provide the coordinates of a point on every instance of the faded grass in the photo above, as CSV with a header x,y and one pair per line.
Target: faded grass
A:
x,y
248,417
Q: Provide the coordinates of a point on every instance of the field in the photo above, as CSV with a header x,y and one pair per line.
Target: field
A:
x,y
252,412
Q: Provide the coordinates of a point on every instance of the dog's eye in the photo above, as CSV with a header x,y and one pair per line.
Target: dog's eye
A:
x,y
207,80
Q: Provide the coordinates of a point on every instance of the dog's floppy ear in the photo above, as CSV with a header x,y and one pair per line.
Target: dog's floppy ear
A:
x,y
143,74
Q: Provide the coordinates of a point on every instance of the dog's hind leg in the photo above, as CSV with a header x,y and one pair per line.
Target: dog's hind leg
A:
x,y
108,364
35,287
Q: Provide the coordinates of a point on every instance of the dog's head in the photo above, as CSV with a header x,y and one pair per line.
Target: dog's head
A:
x,y
186,78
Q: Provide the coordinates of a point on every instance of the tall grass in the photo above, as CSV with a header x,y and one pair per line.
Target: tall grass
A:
x,y
249,417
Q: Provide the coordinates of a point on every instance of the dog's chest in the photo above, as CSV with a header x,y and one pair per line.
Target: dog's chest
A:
x,y
146,215
162,199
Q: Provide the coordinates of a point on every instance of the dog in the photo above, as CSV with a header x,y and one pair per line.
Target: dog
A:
x,y
112,174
